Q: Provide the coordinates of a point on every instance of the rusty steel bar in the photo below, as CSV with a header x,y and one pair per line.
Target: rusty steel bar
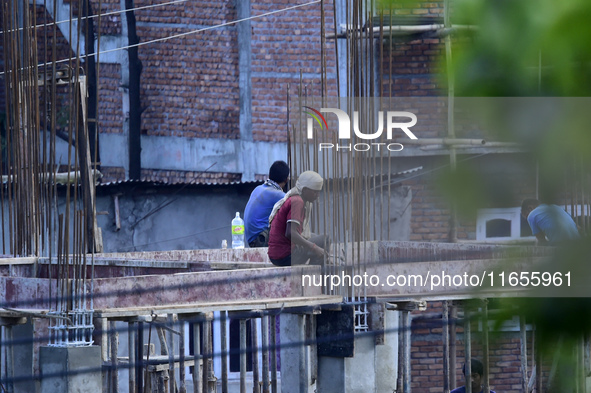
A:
x,y
446,346
114,350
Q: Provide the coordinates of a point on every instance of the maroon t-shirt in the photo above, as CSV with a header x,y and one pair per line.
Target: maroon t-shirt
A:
x,y
291,211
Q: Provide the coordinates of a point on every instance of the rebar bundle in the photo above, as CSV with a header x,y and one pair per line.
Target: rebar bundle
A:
x,y
39,94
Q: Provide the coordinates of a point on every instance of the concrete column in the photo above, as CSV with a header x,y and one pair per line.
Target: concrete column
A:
x,y
386,359
360,370
71,370
23,356
372,369
245,86
331,374
295,372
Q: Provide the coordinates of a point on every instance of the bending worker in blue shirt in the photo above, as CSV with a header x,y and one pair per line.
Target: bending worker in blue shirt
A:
x,y
550,224
260,205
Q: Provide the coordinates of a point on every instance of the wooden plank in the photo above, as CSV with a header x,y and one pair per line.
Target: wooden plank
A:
x,y
171,362
255,355
265,350
160,363
95,244
197,376
18,261
182,362
196,308
121,262
114,349
208,376
240,265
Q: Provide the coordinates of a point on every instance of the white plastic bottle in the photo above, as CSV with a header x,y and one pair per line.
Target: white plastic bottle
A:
x,y
237,232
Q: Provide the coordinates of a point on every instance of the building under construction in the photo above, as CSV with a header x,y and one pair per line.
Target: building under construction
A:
x,y
127,125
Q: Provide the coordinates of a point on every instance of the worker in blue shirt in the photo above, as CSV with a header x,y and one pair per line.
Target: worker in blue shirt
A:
x,y
476,373
261,202
550,224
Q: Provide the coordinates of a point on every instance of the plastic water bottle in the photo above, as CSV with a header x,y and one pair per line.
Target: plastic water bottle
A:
x,y
237,232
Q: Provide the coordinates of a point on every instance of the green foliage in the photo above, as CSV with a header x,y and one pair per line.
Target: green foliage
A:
x,y
526,49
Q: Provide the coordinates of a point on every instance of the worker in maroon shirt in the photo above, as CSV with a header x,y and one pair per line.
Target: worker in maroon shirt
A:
x,y
289,223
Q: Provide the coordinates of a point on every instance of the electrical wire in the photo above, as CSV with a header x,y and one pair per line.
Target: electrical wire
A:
x,y
97,15
183,34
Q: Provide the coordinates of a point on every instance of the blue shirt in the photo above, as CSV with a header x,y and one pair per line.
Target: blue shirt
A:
x,y
557,225
259,207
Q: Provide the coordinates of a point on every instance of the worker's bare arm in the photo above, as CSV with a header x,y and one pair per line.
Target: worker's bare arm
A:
x,y
541,236
291,232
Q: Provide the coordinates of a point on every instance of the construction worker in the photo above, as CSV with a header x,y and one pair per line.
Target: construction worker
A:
x,y
290,229
550,224
476,372
261,202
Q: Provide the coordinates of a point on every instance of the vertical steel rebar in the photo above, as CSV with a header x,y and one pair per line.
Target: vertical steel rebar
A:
x,y
446,346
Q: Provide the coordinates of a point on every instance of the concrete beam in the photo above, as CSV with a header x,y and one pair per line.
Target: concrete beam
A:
x,y
26,293
217,255
195,154
215,286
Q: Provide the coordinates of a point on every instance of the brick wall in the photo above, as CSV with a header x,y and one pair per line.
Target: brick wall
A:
x,y
503,180
109,24
189,83
110,110
413,68
427,355
283,45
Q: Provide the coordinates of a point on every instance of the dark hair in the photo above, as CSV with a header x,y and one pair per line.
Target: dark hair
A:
x,y
475,367
529,204
279,171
